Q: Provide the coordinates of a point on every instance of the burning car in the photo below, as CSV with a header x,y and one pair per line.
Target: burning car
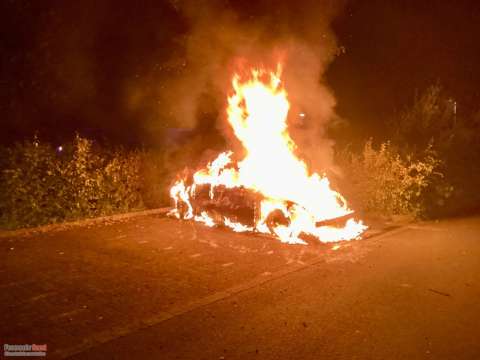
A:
x,y
266,188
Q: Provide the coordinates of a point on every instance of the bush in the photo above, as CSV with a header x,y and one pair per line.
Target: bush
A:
x,y
430,119
381,181
41,184
155,179
454,131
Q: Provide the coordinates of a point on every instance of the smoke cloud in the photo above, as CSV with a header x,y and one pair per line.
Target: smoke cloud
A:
x,y
223,37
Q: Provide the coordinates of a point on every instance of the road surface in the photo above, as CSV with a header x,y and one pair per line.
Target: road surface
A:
x,y
157,288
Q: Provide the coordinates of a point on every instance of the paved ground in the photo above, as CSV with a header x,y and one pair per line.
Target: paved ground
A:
x,y
155,288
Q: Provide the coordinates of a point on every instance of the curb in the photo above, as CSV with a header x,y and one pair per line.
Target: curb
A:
x,y
79,223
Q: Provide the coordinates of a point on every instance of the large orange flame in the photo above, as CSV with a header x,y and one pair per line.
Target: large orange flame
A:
x,y
257,112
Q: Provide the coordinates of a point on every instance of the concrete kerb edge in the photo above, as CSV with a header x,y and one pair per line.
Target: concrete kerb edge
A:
x,y
4,234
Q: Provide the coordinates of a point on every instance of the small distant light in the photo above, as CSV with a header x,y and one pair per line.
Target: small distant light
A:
x,y
301,114
60,148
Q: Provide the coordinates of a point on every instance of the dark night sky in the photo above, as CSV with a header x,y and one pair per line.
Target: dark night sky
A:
x,y
394,48
69,66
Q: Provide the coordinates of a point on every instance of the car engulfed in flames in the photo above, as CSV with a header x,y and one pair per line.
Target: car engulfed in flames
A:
x,y
267,189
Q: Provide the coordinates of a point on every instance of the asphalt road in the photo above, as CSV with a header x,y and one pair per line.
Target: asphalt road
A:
x,y
156,288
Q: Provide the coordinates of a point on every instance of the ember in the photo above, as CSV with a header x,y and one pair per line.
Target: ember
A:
x,y
269,190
